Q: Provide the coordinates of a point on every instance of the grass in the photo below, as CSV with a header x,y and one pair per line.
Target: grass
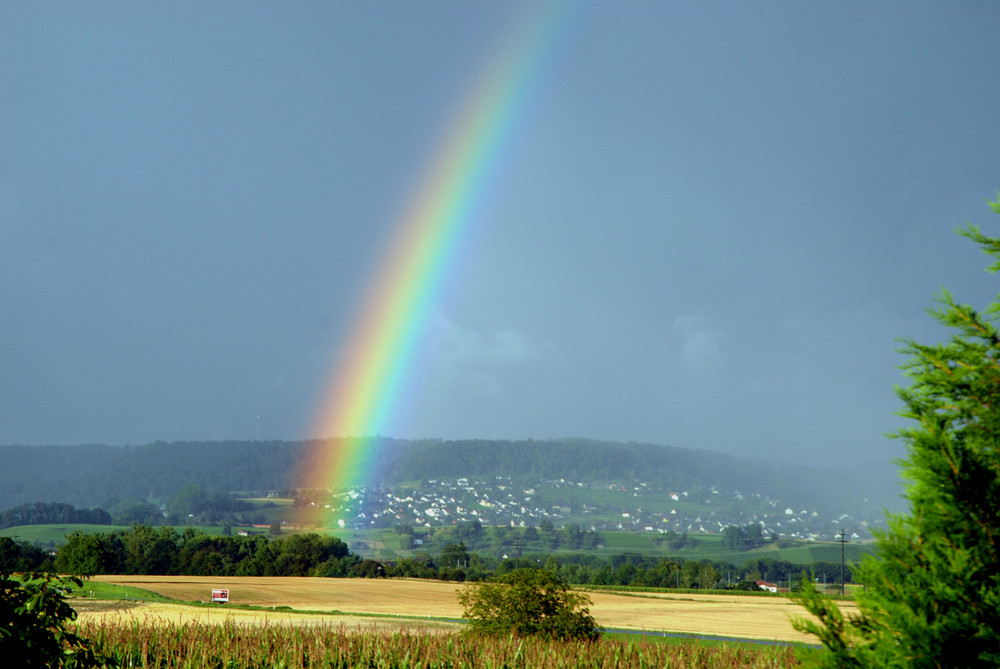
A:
x,y
110,591
52,534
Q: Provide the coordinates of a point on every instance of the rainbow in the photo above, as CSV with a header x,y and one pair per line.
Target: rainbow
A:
x,y
368,381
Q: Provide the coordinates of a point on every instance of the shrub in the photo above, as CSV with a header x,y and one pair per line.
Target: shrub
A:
x,y
33,617
528,602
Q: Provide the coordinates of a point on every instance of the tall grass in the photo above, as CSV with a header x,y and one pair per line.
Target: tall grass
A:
x,y
232,646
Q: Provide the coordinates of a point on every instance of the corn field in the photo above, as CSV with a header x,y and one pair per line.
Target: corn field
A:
x,y
234,646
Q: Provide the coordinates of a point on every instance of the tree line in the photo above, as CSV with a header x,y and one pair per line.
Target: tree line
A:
x,y
457,563
46,513
144,549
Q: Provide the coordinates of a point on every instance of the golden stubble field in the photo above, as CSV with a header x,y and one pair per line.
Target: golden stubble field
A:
x,y
421,604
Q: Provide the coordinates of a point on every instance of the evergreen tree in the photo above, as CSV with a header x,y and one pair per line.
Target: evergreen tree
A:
x,y
932,597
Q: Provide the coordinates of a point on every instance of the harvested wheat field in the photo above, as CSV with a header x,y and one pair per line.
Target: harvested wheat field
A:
x,y
714,615
410,599
155,612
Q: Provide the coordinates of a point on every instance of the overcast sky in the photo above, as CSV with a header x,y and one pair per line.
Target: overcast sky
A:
x,y
713,225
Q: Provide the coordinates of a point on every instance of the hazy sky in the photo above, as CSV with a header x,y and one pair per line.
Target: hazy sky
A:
x,y
713,224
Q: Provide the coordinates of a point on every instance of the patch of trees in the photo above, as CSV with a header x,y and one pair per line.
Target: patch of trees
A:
x,y
652,572
162,550
676,541
48,513
503,541
457,563
528,602
20,557
135,511
192,504
743,538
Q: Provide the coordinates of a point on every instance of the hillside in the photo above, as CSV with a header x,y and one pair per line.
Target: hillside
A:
x,y
99,475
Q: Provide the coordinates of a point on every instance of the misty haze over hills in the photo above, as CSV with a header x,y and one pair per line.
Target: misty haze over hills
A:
x,y
100,475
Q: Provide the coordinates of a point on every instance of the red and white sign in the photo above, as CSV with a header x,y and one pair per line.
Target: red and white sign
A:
x,y
221,596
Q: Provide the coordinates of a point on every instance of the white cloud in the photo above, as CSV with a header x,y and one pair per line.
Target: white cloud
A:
x,y
475,360
700,354
458,344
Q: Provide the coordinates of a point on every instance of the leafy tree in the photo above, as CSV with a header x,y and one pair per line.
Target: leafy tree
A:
x,y
41,513
20,556
933,597
150,551
299,553
528,602
367,568
88,554
419,566
454,555
135,511
192,504
732,538
33,617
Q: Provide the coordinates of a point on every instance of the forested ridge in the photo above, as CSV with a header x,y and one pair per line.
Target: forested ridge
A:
x,y
100,475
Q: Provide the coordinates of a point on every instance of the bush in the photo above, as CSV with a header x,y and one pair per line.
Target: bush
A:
x,y
33,617
528,602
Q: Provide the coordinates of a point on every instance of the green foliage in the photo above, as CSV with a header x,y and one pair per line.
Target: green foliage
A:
x,y
46,513
933,597
88,554
133,511
33,625
20,556
147,550
747,537
528,602
193,505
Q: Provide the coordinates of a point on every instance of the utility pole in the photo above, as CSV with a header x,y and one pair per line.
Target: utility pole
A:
x,y
843,542
517,550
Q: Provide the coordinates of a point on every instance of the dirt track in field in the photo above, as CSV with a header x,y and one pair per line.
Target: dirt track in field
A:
x,y
716,615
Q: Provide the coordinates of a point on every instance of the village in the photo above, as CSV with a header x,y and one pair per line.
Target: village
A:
x,y
607,507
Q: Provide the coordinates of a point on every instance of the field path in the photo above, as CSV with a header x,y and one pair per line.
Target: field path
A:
x,y
716,615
